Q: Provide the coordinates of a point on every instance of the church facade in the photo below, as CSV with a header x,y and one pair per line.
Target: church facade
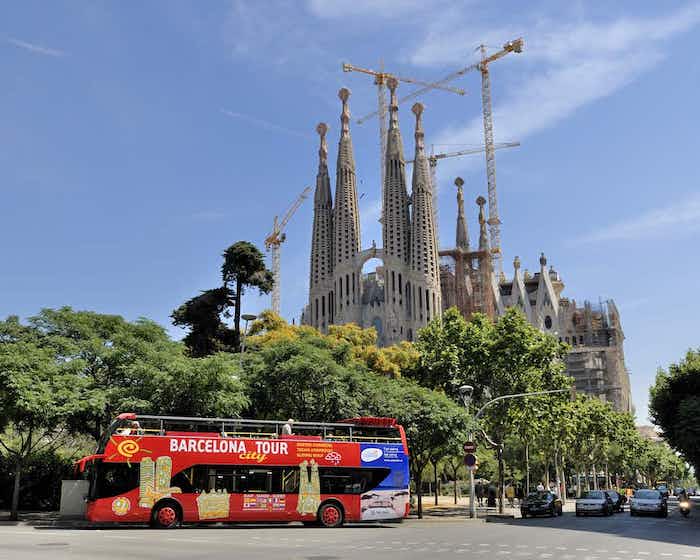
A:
x,y
402,295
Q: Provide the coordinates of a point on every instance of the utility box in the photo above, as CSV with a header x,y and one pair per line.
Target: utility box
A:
x,y
73,495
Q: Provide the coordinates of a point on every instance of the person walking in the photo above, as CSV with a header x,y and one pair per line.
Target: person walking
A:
x,y
510,495
479,493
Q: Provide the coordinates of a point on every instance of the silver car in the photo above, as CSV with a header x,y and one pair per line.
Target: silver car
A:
x,y
648,502
594,502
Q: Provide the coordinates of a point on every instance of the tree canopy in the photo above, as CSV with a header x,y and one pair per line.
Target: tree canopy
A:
x,y
674,406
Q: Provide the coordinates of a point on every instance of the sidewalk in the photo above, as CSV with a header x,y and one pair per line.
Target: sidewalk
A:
x,y
447,508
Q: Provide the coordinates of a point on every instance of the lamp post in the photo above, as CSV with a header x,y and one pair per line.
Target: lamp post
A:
x,y
246,317
465,392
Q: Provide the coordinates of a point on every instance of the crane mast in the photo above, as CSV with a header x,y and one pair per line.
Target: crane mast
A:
x,y
493,220
380,79
273,243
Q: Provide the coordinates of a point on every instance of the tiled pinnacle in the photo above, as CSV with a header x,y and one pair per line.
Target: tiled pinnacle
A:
x,y
346,223
424,256
395,221
483,235
462,230
322,234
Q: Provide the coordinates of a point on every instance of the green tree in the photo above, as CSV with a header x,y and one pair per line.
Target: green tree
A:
x,y
244,268
39,396
674,406
203,316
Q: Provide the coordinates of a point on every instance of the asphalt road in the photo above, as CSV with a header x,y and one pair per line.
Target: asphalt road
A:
x,y
592,538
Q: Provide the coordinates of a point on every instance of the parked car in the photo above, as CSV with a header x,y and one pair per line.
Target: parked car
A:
x,y
541,503
618,499
594,502
649,501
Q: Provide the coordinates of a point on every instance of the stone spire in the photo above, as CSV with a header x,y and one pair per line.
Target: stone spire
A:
x,y
322,233
483,235
424,256
395,219
346,217
462,230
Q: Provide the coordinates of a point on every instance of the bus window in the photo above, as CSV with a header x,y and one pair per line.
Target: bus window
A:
x,y
257,480
182,481
290,480
350,481
115,478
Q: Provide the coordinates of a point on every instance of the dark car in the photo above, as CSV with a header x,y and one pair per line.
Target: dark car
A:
x,y
541,503
618,499
594,502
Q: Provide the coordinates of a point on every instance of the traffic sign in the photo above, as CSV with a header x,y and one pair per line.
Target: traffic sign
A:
x,y
469,447
470,460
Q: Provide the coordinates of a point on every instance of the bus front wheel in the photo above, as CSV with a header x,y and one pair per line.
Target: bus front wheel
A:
x,y
166,516
330,515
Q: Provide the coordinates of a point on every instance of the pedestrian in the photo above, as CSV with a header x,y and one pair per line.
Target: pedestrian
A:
x,y
510,494
479,492
540,487
287,428
491,499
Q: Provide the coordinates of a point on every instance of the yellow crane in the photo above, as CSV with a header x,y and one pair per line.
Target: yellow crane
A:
x,y
482,66
380,79
274,241
433,161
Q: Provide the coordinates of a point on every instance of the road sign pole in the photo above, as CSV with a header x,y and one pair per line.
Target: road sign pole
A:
x,y
472,502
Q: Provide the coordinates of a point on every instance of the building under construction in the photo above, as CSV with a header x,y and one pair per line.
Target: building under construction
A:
x,y
596,360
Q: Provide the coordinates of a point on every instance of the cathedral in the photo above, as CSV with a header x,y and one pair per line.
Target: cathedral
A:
x,y
403,295
416,282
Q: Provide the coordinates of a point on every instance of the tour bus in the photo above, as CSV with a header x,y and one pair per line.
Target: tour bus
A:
x,y
166,470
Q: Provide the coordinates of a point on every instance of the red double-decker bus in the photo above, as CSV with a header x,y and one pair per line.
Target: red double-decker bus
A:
x,y
166,470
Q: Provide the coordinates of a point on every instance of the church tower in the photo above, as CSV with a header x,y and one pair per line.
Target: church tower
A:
x,y
395,228
346,226
424,274
403,294
321,273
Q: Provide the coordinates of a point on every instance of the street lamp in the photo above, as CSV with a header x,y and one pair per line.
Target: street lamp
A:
x,y
465,392
246,317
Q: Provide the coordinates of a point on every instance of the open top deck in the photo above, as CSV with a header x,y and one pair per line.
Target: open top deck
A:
x,y
361,430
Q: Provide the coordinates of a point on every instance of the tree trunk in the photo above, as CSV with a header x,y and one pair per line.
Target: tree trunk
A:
x,y
501,479
562,478
546,474
419,491
607,477
595,477
527,468
237,318
435,480
455,483
14,512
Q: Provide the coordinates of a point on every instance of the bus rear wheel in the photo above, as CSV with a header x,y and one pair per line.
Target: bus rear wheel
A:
x,y
166,516
330,515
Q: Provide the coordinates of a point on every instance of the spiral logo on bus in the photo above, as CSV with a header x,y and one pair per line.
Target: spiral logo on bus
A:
x,y
128,448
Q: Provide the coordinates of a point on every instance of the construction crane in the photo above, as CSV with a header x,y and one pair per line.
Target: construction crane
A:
x,y
380,79
433,161
274,241
494,221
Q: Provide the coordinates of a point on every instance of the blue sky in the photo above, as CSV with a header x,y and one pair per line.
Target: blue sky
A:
x,y
138,140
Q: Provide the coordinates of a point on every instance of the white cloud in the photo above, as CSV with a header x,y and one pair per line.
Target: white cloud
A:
x,y
34,48
681,218
265,124
386,9
564,65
